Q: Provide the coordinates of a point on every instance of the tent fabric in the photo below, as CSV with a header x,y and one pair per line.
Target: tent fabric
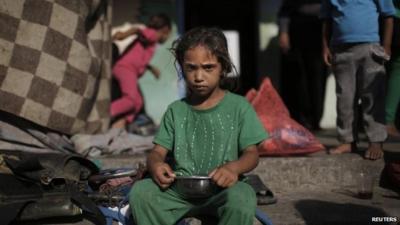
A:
x,y
55,63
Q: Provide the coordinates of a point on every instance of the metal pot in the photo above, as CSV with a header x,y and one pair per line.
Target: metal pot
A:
x,y
195,186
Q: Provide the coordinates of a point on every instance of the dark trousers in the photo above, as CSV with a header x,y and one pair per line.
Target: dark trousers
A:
x,y
303,80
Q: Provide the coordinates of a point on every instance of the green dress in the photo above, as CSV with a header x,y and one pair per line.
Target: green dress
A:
x,y
201,140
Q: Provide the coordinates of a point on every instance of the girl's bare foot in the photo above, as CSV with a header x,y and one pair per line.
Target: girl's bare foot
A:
x,y
343,148
120,123
374,151
392,130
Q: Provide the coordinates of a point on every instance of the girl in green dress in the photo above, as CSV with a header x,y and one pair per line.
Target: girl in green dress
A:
x,y
211,132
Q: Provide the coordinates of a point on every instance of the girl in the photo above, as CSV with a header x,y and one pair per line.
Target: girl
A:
x,y
133,63
210,132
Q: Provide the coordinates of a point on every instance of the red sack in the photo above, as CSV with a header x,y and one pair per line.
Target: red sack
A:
x,y
251,94
286,136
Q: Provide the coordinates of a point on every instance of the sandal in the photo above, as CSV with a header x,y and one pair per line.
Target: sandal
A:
x,y
263,193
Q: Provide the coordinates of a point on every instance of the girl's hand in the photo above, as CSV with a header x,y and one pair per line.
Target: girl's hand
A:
x,y
284,42
163,175
224,176
118,36
155,71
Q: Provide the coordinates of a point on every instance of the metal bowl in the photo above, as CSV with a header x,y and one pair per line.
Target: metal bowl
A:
x,y
195,186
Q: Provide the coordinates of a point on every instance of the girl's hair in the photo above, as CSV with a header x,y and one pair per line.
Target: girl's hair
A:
x,y
216,42
156,22
159,21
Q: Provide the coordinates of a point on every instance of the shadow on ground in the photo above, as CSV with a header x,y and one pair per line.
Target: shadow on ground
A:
x,y
321,212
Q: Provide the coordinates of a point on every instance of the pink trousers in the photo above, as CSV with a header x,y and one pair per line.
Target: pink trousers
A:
x,y
131,100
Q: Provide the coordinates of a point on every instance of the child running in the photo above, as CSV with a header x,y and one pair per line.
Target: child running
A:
x,y
132,65
212,132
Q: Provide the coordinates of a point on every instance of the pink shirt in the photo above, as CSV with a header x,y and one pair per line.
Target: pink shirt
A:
x,y
137,58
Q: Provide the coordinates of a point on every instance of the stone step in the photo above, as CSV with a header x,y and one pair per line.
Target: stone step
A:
x,y
291,173
315,171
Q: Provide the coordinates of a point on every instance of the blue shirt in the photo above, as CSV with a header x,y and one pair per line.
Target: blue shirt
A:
x,y
355,20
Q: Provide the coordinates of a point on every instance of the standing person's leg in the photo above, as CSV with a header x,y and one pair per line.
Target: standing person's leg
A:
x,y
393,94
303,94
289,80
131,101
233,206
150,205
345,69
372,92
316,81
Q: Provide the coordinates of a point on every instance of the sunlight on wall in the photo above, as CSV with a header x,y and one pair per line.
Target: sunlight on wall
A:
x,y
329,116
267,32
158,94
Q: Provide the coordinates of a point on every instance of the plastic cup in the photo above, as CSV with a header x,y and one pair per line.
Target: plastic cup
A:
x,y
365,185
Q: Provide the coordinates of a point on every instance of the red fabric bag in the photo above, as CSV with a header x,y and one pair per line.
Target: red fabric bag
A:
x,y
286,136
